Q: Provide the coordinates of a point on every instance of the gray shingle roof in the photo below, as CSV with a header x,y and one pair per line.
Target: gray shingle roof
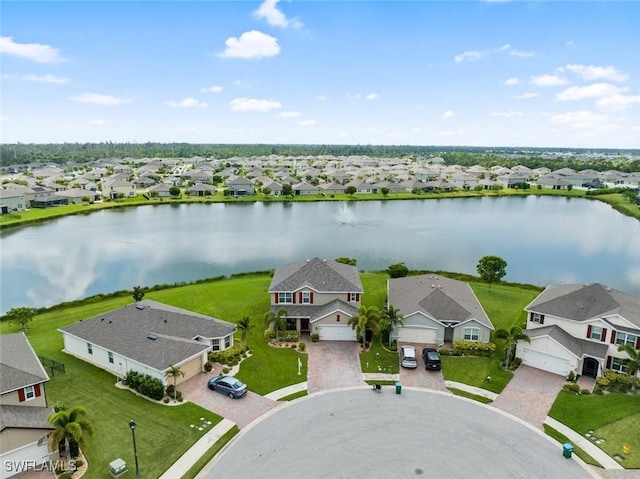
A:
x,y
314,312
441,298
19,364
321,275
580,302
31,417
126,331
579,347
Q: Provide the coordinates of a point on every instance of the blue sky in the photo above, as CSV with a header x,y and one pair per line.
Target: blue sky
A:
x,y
478,73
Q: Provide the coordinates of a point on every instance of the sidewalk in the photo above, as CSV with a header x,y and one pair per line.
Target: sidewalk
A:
x,y
284,392
583,443
471,389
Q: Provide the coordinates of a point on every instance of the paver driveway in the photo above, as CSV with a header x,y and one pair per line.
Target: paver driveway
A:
x,y
333,364
530,394
420,377
242,411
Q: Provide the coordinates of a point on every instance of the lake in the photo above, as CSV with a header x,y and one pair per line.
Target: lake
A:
x,y
544,240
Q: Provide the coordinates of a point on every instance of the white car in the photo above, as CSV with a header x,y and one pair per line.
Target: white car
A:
x,y
408,357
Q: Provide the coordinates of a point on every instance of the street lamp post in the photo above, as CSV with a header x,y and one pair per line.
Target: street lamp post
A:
x,y
132,425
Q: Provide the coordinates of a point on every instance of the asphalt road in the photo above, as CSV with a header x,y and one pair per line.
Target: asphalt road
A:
x,y
359,434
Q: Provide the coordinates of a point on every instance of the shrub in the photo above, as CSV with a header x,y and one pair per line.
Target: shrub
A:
x,y
602,381
515,364
170,389
289,336
228,356
166,400
315,337
302,346
586,392
208,366
571,388
571,377
145,385
474,348
225,370
65,475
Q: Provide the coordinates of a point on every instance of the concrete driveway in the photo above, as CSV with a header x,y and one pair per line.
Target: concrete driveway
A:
x,y
530,394
241,411
333,364
420,377
358,434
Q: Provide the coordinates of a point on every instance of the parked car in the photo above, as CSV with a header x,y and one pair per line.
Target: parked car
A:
x,y
431,359
408,356
232,387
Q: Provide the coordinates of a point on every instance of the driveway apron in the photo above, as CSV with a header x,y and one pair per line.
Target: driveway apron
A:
x,y
242,411
420,377
530,394
333,364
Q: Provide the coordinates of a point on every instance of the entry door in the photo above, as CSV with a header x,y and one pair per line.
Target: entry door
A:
x,y
590,368
304,325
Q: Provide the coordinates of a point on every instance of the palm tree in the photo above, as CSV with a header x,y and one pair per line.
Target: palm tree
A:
x,y
279,321
394,317
244,325
174,372
367,318
633,362
512,337
71,426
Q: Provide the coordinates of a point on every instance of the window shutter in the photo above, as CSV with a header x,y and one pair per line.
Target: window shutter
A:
x,y
608,362
311,297
276,297
589,331
542,319
37,390
348,297
293,297
300,297
357,296
613,336
531,317
638,342
603,338
21,395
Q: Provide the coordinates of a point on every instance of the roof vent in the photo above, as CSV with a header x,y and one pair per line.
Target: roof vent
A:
x,y
153,337
140,306
433,285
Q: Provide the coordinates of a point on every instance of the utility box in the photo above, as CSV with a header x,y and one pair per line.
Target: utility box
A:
x,y
567,449
117,468
398,387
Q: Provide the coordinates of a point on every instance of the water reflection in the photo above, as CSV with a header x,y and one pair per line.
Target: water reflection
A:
x,y
543,240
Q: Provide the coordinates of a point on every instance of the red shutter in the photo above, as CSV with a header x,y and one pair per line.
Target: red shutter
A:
x,y
300,298
348,297
37,390
21,395
604,335
531,317
542,319
589,331
311,298
638,342
608,362
357,296
293,296
276,298
613,336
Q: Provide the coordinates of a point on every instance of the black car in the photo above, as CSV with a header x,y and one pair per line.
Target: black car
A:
x,y
431,359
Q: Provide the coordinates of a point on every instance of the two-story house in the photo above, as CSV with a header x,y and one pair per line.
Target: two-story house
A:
x,y
319,295
578,328
23,407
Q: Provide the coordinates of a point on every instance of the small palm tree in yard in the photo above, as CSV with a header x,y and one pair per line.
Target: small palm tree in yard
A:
x,y
244,325
366,319
174,372
512,337
394,317
71,427
633,362
278,320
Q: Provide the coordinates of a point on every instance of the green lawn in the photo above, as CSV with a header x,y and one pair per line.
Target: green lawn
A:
x,y
612,417
468,395
562,439
474,371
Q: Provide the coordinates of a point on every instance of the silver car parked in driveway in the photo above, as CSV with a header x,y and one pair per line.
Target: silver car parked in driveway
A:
x,y
232,387
408,357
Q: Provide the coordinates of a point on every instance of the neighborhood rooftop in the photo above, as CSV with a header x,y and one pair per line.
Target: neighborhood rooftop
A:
x,y
317,274
19,365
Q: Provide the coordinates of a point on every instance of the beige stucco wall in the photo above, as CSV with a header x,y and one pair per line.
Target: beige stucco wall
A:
x,y
12,399
190,368
13,438
484,335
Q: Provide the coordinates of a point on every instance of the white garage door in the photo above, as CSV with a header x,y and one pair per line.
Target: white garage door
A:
x,y
15,461
546,362
417,335
337,333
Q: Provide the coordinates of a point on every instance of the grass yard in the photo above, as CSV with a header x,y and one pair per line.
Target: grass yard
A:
x,y
562,439
475,370
612,417
468,395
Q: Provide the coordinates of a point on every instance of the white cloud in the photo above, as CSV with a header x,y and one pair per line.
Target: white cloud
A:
x,y
591,72
274,17
596,90
527,96
308,123
470,55
48,78
252,104
579,119
186,103
448,114
617,101
321,98
548,80
507,114
517,53
98,99
371,96
252,44
212,89
288,114
512,81
362,96
31,51
96,122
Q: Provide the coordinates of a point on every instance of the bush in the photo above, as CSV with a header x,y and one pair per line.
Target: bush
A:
x,y
289,336
474,348
398,270
515,364
166,400
145,385
225,370
170,390
65,475
208,366
269,334
228,356
302,346
586,392
315,337
571,377
571,388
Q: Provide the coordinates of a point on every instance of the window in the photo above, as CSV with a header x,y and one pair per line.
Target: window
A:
x,y
227,342
472,334
90,348
619,365
306,297
537,318
29,393
353,297
626,338
110,357
285,298
292,324
596,333
215,344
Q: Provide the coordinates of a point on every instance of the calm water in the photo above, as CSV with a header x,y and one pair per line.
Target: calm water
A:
x,y
543,239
